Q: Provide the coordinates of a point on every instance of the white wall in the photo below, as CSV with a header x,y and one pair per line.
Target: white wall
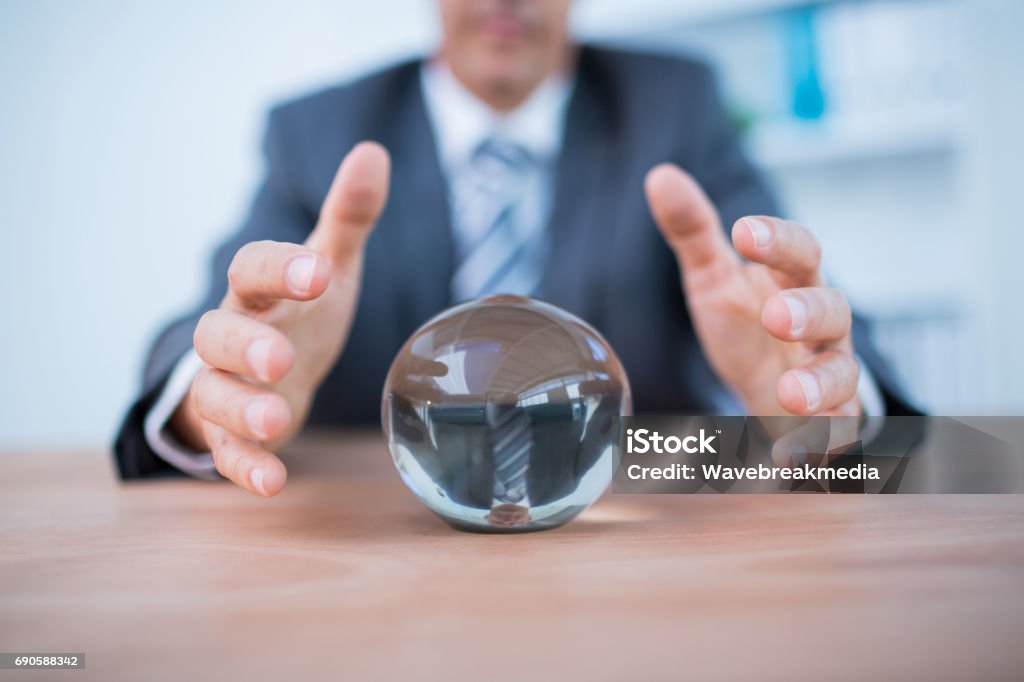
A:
x,y
129,134
993,179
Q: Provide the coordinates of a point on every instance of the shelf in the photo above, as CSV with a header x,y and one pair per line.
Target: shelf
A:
x,y
788,144
599,17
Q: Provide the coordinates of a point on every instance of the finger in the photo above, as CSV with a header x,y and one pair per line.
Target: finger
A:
x,y
789,249
245,463
690,225
812,315
353,204
265,271
823,385
243,345
240,407
815,439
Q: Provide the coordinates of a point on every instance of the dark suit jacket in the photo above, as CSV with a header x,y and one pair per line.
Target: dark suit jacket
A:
x,y
609,265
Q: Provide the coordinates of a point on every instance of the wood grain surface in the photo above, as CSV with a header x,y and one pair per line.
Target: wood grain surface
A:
x,y
345,576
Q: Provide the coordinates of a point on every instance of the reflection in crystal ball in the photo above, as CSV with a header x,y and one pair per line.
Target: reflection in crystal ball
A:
x,y
500,414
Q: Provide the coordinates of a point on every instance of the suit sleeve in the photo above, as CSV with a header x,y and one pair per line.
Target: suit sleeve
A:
x,y
738,189
277,213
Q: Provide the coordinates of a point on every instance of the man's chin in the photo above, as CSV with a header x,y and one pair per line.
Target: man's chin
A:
x,y
504,83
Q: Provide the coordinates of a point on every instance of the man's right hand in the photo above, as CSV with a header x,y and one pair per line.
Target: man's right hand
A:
x,y
280,329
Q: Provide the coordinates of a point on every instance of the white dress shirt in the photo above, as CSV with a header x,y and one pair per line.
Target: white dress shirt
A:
x,y
460,122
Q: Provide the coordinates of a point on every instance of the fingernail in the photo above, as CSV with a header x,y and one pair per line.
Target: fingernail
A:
x,y
797,313
300,274
797,453
258,357
812,389
256,478
255,415
760,230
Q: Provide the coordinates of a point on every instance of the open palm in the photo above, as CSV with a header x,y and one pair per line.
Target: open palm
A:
x,y
771,329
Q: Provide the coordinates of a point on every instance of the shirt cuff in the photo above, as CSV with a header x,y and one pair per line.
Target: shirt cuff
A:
x,y
871,403
159,436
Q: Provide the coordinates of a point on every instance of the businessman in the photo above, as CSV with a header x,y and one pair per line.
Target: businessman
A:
x,y
609,183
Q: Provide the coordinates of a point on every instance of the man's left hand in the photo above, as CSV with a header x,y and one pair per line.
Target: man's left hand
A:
x,y
775,334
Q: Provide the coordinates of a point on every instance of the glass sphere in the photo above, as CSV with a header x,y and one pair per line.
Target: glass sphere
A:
x,y
499,414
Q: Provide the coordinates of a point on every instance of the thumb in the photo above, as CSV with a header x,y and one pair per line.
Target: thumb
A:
x,y
353,204
689,223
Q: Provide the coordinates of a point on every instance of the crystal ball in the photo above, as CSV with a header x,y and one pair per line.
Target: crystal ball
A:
x,y
500,414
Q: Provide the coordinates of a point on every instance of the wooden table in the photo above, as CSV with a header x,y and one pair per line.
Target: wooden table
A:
x,y
346,576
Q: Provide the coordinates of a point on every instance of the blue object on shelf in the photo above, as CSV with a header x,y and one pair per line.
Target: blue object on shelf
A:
x,y
808,97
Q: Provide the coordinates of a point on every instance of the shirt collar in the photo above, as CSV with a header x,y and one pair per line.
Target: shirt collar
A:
x,y
461,121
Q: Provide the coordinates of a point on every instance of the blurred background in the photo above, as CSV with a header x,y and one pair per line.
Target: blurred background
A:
x,y
129,145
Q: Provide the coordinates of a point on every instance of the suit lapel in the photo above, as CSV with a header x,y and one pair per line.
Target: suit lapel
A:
x,y
576,225
417,216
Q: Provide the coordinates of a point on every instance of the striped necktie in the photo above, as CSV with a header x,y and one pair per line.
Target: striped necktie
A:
x,y
502,253
511,442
